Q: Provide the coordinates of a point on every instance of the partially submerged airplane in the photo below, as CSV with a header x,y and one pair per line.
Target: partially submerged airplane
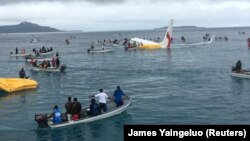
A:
x,y
146,44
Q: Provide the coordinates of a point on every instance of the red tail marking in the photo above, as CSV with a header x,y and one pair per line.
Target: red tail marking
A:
x,y
169,39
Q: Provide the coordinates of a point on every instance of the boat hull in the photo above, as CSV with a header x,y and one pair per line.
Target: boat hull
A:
x,y
101,50
42,59
112,112
49,69
241,75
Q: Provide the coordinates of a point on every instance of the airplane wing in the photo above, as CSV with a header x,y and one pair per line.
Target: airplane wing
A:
x,y
195,44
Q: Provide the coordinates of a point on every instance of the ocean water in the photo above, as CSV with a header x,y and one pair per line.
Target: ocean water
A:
x,y
185,85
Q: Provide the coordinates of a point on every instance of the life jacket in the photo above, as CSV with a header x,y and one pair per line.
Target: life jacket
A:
x,y
57,116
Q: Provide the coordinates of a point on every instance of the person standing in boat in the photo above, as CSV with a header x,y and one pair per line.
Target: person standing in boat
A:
x,y
53,62
118,96
76,109
57,62
22,73
102,98
68,106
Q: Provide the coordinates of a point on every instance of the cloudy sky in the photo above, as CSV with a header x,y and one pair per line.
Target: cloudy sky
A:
x,y
105,15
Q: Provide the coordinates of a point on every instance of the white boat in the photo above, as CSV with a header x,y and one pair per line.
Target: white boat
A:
x,y
244,74
45,53
21,54
100,50
50,69
112,111
31,54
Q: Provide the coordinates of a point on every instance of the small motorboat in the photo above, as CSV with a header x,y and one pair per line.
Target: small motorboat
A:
x,y
43,120
241,74
50,69
100,50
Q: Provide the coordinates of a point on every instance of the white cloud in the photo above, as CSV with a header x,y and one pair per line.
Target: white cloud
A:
x,y
139,14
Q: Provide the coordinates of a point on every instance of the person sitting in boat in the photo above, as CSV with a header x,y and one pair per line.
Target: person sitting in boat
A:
x,y
48,64
76,109
22,73
34,63
44,64
94,108
118,96
237,67
31,60
53,62
57,115
102,98
68,106
129,45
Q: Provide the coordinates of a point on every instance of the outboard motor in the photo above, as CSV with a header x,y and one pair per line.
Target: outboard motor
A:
x,y
63,67
248,42
41,120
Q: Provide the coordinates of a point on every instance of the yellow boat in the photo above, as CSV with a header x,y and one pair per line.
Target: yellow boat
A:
x,y
16,84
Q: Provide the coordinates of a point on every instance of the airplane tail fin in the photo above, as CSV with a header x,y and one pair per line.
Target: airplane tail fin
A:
x,y
167,38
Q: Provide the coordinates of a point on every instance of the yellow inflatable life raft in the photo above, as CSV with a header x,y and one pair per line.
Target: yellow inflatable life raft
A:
x,y
16,84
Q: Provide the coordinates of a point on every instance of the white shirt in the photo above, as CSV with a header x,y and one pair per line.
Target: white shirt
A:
x,y
102,97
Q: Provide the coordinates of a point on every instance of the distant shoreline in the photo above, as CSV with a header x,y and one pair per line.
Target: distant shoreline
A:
x,y
26,27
